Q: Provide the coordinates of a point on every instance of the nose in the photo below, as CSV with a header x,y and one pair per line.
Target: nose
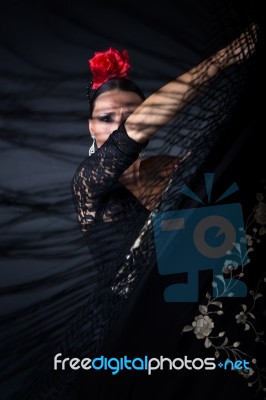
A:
x,y
120,118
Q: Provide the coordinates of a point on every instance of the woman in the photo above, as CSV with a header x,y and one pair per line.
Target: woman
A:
x,y
113,183
115,190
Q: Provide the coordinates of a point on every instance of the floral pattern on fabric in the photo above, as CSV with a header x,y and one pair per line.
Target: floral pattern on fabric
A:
x,y
246,321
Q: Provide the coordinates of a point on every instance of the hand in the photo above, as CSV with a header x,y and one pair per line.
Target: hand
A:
x,y
240,49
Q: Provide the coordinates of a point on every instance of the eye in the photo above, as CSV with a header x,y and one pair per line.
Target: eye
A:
x,y
105,118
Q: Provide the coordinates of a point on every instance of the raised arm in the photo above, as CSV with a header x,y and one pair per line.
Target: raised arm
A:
x,y
159,108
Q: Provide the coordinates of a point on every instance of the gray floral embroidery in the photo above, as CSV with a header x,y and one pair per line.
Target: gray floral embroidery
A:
x,y
260,212
203,325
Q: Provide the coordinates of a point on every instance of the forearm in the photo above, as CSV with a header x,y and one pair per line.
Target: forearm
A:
x,y
159,108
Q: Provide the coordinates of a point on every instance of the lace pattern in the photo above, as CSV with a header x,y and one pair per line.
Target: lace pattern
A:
x,y
96,190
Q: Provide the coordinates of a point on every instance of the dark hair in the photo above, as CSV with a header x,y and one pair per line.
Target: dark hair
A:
x,y
123,84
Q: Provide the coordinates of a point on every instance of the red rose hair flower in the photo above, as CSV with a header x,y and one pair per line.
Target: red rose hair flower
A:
x,y
108,64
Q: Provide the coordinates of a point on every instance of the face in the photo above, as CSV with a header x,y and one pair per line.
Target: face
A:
x,y
111,108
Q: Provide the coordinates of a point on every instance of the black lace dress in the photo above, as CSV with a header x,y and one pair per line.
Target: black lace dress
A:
x,y
111,218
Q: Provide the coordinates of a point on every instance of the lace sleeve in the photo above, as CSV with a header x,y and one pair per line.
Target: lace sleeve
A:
x,y
96,175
